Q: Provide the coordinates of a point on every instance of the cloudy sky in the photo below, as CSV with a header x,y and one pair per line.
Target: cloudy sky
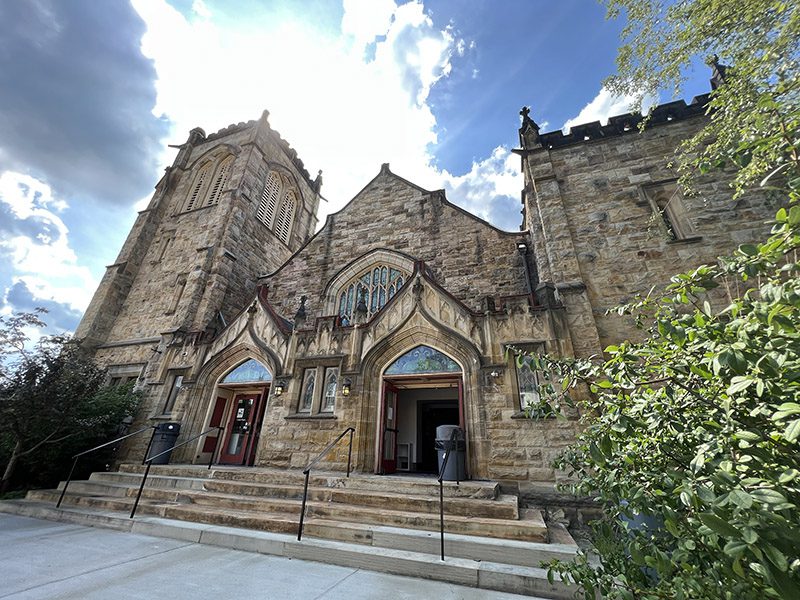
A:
x,y
92,93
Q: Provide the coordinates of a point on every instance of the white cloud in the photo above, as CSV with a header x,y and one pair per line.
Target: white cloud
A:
x,y
366,20
491,189
606,105
36,242
343,113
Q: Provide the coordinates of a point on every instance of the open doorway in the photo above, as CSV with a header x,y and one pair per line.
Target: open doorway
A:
x,y
413,408
422,390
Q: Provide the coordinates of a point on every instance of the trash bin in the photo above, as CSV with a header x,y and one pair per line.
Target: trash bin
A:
x,y
457,462
164,439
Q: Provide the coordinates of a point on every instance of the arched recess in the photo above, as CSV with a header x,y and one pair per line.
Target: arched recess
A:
x,y
415,332
207,410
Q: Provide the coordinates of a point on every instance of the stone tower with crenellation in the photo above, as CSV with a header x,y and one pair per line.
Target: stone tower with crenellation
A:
x,y
233,206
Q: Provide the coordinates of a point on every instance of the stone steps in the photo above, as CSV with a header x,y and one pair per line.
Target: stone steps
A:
x,y
384,514
394,484
471,561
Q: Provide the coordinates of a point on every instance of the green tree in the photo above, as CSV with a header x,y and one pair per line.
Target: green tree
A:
x,y
51,396
695,431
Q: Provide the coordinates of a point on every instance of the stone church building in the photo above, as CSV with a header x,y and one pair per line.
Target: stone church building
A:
x,y
230,310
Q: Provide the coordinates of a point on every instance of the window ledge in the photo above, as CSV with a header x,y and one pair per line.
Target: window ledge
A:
x,y
688,240
309,417
521,415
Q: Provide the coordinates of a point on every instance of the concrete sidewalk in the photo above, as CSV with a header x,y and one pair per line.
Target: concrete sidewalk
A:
x,y
42,559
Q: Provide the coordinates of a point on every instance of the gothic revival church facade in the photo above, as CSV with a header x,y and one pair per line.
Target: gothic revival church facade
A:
x,y
395,317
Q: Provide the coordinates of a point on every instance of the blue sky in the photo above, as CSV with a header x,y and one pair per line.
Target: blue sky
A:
x,y
91,94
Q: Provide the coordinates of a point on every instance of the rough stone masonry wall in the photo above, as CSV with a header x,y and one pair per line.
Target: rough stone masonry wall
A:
x,y
619,250
468,257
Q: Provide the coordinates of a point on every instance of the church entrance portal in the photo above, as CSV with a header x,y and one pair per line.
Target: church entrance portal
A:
x,y
413,407
241,400
421,391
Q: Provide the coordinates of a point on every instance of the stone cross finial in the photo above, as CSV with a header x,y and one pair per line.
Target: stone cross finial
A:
x,y
525,112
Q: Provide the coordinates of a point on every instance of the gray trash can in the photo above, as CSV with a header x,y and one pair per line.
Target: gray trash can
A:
x,y
457,462
165,438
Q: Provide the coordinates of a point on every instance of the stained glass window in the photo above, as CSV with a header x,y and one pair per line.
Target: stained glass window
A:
x,y
250,371
528,384
423,359
377,285
331,379
307,397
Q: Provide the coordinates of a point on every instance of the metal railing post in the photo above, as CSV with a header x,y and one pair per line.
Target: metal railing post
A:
x,y
441,486
350,451
303,509
69,478
216,446
441,516
150,444
141,487
309,466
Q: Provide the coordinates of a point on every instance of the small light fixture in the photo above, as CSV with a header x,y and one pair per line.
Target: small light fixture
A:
x,y
346,383
280,387
495,374
522,247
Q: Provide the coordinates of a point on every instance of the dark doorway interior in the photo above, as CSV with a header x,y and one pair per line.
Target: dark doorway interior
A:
x,y
431,414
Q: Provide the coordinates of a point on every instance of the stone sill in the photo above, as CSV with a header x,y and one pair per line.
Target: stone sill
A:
x,y
309,417
688,240
521,415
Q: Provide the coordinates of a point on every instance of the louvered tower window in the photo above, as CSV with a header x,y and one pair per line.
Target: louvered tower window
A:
x,y
269,200
219,182
283,226
197,188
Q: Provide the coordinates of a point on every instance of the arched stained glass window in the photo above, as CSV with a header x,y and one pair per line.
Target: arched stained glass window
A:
x,y
423,359
307,399
378,285
250,371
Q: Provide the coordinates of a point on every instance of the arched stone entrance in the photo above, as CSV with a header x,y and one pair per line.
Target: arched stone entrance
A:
x,y
422,389
465,383
231,392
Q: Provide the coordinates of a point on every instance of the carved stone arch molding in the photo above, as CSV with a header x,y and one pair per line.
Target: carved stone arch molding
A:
x,y
202,395
378,256
419,330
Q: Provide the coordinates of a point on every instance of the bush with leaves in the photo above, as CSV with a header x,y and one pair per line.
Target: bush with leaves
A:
x,y
696,428
53,403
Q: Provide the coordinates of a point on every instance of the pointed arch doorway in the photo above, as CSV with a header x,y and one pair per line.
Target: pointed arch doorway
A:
x,y
422,389
241,401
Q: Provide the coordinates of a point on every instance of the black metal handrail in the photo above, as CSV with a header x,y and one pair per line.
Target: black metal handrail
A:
x,y
90,450
450,448
150,460
307,471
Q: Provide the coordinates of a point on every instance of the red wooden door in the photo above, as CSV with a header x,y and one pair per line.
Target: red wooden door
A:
x,y
241,426
389,430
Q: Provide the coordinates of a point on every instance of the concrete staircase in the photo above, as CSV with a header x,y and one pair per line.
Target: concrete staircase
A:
x,y
388,523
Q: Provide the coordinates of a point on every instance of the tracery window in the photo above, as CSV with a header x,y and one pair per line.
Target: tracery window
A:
x,y
307,391
329,393
250,371
376,285
276,209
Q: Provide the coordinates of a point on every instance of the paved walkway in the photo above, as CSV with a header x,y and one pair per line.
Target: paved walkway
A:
x,y
48,560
